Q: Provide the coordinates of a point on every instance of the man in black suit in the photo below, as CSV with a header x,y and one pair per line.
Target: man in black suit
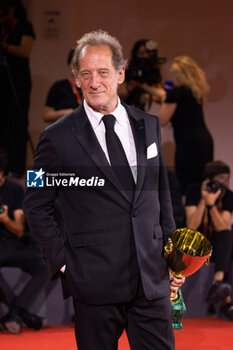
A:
x,y
115,226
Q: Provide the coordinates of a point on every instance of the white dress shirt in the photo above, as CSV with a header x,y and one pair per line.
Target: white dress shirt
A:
x,y
122,128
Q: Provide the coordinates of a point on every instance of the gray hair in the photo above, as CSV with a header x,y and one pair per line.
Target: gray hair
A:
x,y
99,38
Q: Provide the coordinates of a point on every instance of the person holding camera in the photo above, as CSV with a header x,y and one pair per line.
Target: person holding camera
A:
x,y
209,209
16,41
17,249
143,78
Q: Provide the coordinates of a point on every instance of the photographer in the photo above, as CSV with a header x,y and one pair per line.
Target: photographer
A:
x,y
16,41
17,249
143,77
209,210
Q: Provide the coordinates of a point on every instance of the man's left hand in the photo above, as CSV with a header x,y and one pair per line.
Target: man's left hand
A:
x,y
176,282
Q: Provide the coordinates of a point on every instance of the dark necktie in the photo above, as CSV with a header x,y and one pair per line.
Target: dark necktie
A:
x,y
117,156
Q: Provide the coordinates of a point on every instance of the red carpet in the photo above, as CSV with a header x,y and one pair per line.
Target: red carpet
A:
x,y
198,333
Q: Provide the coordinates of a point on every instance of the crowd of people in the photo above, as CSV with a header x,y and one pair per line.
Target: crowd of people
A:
x,y
110,250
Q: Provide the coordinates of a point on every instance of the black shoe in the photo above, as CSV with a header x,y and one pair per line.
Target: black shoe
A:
x,y
226,312
32,321
218,292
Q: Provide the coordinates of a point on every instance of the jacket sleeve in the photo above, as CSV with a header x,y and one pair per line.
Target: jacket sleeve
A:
x,y
39,206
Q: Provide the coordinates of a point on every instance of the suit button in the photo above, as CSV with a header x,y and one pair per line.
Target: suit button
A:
x,y
134,213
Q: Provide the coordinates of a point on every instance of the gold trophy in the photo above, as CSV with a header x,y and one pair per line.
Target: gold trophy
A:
x,y
186,251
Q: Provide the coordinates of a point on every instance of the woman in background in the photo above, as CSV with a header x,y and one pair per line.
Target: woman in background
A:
x,y
183,107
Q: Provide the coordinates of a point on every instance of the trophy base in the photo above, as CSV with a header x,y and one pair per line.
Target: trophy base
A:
x,y
178,311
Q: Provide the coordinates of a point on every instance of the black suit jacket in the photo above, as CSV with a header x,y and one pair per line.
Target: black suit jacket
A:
x,y
107,241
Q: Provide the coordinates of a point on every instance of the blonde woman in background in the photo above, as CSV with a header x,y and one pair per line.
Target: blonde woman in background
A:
x,y
183,107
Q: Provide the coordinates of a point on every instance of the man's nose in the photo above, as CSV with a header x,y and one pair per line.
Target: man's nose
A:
x,y
95,81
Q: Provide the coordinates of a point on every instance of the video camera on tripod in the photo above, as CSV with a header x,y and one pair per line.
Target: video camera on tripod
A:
x,y
146,69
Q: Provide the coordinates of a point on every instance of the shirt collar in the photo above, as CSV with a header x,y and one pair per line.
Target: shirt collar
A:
x,y
96,117
119,113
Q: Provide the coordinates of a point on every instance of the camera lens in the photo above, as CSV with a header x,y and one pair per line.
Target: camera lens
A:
x,y
213,186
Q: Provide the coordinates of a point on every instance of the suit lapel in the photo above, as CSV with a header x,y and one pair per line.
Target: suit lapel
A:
x,y
138,127
85,135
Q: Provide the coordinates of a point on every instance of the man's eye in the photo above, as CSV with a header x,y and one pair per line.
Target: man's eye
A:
x,y
103,73
85,75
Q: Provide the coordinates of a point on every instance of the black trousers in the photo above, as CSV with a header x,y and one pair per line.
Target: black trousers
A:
x,y
148,324
27,258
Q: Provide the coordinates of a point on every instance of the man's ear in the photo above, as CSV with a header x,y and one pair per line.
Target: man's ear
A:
x,y
121,75
77,81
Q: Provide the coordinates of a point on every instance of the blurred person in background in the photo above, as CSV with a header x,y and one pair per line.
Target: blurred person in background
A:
x,y
183,107
63,96
17,249
209,208
142,75
16,41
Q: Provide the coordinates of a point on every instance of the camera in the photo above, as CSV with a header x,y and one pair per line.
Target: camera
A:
x,y
143,70
146,69
214,186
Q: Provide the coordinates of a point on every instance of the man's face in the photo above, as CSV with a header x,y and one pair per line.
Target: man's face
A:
x,y
98,78
223,179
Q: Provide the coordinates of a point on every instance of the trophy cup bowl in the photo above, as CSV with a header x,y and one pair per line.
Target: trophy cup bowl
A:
x,y
186,251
